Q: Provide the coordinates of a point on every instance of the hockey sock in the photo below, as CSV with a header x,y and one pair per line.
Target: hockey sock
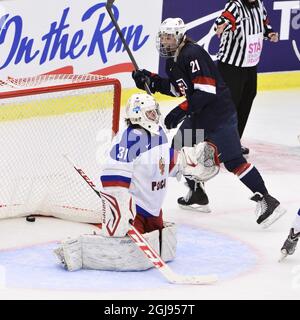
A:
x,y
251,178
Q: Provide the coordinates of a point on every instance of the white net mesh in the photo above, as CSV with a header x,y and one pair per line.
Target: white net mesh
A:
x,y
41,119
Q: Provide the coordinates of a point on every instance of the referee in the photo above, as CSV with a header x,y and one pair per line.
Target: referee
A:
x,y
242,27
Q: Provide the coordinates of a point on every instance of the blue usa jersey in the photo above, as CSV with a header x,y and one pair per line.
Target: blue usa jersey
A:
x,y
195,76
140,162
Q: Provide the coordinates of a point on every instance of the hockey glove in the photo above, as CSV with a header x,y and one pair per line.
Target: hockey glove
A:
x,y
174,117
199,163
142,76
118,208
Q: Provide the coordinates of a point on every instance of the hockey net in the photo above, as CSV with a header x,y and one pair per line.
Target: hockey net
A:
x,y
41,119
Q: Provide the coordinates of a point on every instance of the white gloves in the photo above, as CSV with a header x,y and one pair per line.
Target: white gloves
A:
x,y
118,208
199,163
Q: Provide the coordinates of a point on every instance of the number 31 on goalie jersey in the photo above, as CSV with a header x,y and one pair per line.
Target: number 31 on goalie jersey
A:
x,y
123,153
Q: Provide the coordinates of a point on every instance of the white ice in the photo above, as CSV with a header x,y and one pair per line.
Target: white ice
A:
x,y
271,135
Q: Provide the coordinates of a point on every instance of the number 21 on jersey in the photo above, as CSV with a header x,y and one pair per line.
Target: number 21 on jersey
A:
x,y
195,66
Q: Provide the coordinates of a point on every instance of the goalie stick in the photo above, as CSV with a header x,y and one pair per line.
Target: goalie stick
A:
x,y
108,6
147,249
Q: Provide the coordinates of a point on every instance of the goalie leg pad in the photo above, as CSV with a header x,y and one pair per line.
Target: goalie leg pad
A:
x,y
168,241
116,254
98,252
69,254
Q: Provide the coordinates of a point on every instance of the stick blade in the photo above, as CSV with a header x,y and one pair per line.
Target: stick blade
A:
x,y
176,278
195,280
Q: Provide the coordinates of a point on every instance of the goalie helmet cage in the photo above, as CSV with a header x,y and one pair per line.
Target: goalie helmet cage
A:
x,y
41,119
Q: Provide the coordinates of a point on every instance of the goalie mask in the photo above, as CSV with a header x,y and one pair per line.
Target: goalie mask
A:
x,y
142,109
171,34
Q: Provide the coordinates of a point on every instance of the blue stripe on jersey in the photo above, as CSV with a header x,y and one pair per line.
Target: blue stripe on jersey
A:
x,y
115,181
115,178
134,142
143,212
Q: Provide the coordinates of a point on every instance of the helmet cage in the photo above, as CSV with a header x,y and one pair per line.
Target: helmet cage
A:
x,y
169,37
143,110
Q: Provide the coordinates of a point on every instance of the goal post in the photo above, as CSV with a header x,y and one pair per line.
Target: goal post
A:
x,y
41,119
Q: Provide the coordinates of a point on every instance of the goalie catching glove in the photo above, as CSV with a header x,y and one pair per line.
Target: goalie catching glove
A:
x,y
199,163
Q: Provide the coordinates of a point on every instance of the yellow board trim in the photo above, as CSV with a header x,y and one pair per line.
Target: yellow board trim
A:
x,y
86,102
279,81
45,107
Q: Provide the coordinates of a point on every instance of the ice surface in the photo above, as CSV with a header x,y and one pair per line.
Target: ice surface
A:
x,y
227,241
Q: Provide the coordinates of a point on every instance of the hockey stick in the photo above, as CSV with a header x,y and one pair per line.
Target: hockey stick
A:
x,y
108,6
147,249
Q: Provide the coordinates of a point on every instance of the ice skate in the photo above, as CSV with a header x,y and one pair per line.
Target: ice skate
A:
x,y
290,244
268,209
196,199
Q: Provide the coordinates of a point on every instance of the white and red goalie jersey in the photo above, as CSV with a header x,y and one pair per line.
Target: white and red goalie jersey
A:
x,y
141,163
135,177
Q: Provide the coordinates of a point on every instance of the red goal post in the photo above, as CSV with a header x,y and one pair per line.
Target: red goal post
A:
x,y
42,118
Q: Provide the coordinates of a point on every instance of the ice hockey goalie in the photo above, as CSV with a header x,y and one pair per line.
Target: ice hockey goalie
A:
x,y
134,183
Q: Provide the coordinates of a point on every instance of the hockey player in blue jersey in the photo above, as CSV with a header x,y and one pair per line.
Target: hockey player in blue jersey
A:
x,y
208,106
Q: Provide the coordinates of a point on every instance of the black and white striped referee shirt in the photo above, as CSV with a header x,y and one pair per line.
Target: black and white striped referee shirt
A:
x,y
244,23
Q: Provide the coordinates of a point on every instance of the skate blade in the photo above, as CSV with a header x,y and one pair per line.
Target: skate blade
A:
x,y
283,255
195,207
278,212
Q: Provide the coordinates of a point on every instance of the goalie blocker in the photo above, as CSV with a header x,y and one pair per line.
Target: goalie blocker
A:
x,y
115,254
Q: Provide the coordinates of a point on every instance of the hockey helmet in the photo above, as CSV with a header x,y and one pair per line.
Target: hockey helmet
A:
x,y
142,109
170,35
